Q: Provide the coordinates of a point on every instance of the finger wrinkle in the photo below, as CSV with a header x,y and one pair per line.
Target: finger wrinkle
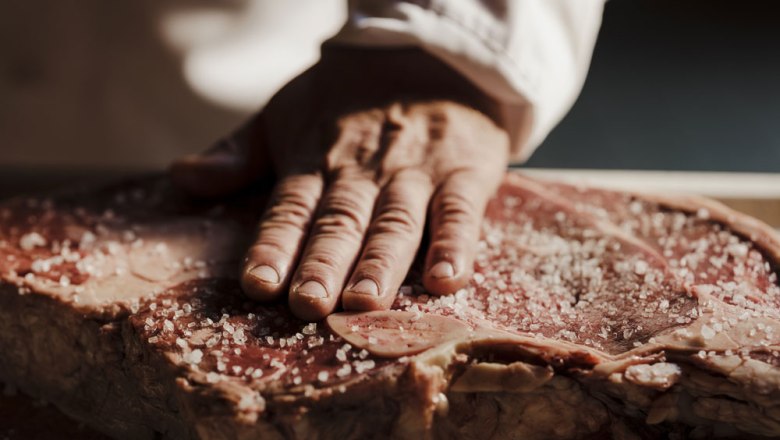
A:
x,y
303,198
396,221
268,245
300,199
349,175
378,259
342,214
295,221
345,227
455,213
321,262
349,203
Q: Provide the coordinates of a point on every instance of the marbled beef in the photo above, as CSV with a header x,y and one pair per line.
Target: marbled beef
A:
x,y
591,314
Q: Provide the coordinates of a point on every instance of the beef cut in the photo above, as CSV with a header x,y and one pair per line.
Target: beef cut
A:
x,y
590,314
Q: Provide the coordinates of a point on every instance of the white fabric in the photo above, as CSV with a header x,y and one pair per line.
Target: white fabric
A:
x,y
530,55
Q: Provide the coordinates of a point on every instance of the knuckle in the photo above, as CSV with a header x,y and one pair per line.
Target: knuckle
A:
x,y
378,257
297,194
441,115
343,213
441,120
355,135
414,175
266,245
345,226
286,216
345,174
332,161
344,202
396,219
452,207
290,209
344,123
317,264
437,131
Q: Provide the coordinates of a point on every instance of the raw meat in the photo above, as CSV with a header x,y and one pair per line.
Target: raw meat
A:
x,y
591,314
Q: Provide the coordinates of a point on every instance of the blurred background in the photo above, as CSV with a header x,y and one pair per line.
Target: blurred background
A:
x,y
98,88
677,85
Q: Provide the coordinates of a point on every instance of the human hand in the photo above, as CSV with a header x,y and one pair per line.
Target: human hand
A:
x,y
366,146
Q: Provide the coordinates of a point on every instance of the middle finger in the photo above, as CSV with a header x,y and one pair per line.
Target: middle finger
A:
x,y
335,241
391,243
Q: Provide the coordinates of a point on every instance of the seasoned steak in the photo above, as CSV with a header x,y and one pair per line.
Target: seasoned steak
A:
x,y
590,314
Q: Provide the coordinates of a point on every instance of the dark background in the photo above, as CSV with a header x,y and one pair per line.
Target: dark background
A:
x,y
677,85
674,85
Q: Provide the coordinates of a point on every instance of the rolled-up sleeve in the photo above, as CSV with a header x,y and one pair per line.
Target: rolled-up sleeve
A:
x,y
531,56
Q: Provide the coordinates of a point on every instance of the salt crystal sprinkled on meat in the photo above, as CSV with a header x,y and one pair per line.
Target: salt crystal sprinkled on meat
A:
x,y
604,276
707,332
31,240
193,357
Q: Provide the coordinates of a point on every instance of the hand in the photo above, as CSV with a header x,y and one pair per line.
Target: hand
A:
x,y
366,146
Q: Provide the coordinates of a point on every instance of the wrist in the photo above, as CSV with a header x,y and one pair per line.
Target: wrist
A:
x,y
406,73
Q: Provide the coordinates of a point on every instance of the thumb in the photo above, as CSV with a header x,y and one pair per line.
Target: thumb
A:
x,y
231,164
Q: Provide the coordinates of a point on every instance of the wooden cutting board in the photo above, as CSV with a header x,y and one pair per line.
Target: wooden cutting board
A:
x,y
756,194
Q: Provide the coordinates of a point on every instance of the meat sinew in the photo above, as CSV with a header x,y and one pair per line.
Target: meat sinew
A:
x,y
591,314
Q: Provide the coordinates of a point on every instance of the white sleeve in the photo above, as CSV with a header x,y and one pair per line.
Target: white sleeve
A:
x,y
530,55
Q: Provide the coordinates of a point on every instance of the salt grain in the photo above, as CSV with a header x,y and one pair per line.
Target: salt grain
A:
x,y
31,240
194,357
309,329
707,332
212,377
363,366
344,370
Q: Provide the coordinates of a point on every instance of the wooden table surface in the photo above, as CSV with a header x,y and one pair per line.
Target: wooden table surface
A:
x,y
756,194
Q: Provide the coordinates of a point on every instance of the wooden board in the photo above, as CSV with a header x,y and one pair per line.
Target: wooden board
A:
x,y
756,194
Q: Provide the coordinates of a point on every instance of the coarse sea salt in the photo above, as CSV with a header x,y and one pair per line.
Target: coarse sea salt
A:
x,y
31,240
194,357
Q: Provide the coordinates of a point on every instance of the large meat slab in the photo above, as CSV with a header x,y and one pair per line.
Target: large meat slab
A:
x,y
591,314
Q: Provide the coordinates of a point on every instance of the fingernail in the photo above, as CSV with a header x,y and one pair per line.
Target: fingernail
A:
x,y
366,287
442,269
266,274
313,289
